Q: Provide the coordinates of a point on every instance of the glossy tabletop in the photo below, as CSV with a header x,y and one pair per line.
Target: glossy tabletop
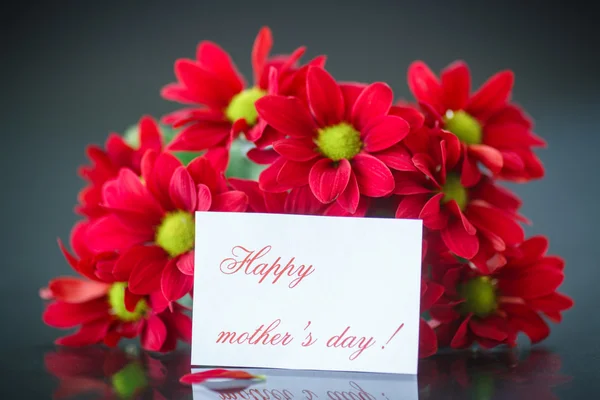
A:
x,y
127,373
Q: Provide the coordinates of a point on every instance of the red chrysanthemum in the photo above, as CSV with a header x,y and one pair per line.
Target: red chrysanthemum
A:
x,y
341,142
436,188
492,309
104,310
106,163
150,221
299,201
226,105
494,131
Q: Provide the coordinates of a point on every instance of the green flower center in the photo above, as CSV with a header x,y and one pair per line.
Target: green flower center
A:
x,y
116,299
129,380
464,126
480,296
339,141
242,105
176,233
454,190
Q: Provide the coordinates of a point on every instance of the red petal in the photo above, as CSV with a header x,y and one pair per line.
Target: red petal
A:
x,y
488,156
496,195
351,91
131,300
487,328
470,173
427,340
296,149
145,276
74,290
267,179
524,319
256,197
301,200
425,86
456,84
158,180
154,334
497,221
492,94
411,115
201,136
374,178
204,198
385,132
459,241
539,282
185,263
67,315
203,172
410,206
551,303
204,87
327,180
431,215
174,284
287,115
374,101
109,234
532,250
461,339
350,197
432,294
89,334
134,256
510,136
424,163
260,52
453,207
293,173
216,60
324,97
218,157
262,157
183,190
234,201
396,157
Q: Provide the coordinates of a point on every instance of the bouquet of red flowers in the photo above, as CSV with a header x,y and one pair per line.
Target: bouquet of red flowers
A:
x,y
297,141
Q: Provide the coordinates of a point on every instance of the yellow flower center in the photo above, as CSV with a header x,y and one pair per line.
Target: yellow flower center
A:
x,y
480,296
242,105
116,299
464,126
176,233
454,190
339,141
130,380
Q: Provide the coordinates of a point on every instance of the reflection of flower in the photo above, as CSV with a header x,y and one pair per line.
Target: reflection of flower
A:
x,y
114,373
491,375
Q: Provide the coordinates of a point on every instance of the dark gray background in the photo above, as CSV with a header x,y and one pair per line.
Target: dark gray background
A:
x,y
74,71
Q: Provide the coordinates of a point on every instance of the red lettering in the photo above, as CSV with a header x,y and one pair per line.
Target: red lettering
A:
x,y
262,335
350,342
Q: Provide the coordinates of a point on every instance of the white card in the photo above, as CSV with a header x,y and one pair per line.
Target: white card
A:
x,y
306,292
310,385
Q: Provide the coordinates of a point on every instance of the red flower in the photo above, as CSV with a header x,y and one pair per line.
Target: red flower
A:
x,y
341,143
105,311
434,188
491,309
150,221
299,200
494,131
107,162
226,107
430,294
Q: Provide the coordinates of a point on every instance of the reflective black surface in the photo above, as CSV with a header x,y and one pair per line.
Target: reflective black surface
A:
x,y
127,373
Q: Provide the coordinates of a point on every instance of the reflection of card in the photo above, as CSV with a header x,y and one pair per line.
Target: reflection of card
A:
x,y
311,385
306,292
